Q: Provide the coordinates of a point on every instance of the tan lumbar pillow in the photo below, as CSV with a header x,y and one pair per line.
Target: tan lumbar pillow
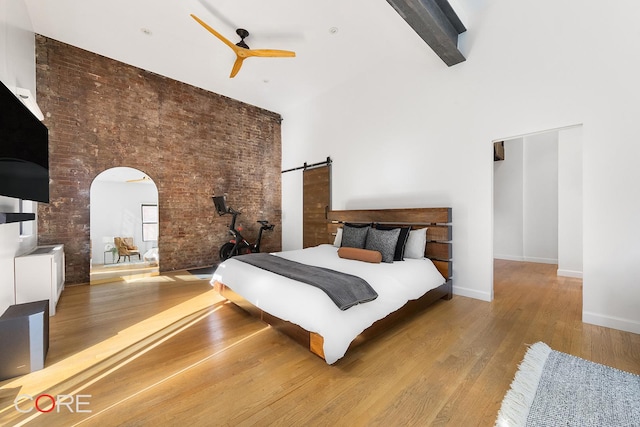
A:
x,y
358,254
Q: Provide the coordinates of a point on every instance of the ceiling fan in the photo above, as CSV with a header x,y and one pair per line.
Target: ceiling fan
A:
x,y
241,49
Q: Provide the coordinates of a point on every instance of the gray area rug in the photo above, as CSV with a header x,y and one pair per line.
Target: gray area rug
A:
x,y
556,389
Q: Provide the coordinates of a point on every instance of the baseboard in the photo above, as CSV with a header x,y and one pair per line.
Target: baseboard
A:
x,y
619,323
471,293
541,260
508,257
526,259
569,273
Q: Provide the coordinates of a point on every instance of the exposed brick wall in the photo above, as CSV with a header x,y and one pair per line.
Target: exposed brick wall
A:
x,y
193,143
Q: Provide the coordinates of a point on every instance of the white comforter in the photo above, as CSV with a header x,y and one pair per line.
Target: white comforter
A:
x,y
309,307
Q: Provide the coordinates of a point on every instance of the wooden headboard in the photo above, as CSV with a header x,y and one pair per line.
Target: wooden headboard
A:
x,y
437,221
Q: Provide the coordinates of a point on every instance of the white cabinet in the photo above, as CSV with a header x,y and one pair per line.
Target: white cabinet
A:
x,y
39,275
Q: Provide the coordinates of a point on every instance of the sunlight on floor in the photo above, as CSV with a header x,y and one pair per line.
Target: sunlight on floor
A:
x,y
187,278
136,354
72,372
153,279
159,279
169,377
126,271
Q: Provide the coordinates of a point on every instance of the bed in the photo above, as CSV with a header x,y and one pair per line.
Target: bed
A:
x,y
310,317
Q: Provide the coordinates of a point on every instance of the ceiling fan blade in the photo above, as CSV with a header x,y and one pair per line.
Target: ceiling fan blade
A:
x,y
215,33
273,53
215,12
143,179
236,66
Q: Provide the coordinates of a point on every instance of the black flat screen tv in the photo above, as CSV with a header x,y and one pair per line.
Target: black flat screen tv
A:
x,y
24,151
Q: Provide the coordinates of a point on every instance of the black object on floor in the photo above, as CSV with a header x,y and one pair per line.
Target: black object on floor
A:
x,y
203,271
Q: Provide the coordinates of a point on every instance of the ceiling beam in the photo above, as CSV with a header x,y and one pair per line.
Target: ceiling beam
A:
x,y
436,23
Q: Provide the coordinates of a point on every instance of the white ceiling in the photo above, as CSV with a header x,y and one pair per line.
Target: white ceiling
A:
x,y
160,36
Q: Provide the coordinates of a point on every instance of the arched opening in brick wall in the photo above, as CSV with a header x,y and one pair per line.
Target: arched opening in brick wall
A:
x,y
123,204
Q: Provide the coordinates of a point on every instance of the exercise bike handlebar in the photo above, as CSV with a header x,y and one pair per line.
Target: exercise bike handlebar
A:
x,y
264,224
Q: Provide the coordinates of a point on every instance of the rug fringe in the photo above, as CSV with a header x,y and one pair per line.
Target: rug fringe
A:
x,y
516,403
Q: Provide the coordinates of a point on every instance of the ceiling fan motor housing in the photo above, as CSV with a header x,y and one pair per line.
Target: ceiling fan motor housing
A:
x,y
243,35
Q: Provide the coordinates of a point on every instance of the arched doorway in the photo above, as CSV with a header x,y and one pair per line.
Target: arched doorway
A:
x,y
124,203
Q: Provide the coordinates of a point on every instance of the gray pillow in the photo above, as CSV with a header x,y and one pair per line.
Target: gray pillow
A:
x,y
354,237
402,240
383,241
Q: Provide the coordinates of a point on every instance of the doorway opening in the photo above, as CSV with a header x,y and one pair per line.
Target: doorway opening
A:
x,y
124,226
537,199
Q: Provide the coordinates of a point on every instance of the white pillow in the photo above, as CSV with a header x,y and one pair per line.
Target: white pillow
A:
x,y
338,240
416,243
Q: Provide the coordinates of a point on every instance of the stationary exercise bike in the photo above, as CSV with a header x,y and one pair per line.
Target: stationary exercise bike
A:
x,y
238,245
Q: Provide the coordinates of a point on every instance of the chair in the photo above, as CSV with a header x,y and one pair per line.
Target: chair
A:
x,y
126,248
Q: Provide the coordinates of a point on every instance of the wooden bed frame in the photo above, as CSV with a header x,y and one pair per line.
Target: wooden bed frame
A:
x,y
438,249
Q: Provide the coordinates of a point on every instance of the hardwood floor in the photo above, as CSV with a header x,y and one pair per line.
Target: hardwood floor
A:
x,y
167,351
126,271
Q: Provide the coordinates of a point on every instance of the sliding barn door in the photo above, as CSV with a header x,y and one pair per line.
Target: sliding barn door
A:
x,y
316,199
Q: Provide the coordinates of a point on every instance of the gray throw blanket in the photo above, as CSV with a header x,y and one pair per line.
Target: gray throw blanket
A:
x,y
345,290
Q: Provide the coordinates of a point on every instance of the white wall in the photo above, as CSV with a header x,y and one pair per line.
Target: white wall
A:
x,y
540,198
116,212
292,218
415,133
17,69
570,202
508,202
